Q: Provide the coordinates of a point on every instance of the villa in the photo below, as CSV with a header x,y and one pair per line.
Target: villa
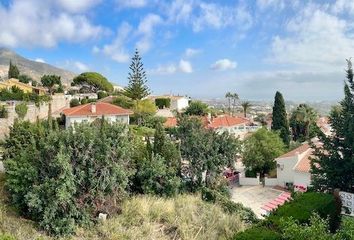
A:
x,y
25,87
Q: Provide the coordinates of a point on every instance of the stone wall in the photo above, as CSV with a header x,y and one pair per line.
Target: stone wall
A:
x,y
41,112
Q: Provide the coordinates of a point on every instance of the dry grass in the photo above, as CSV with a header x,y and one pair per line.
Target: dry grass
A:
x,y
143,217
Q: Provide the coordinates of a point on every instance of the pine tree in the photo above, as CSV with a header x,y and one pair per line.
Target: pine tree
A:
x,y
13,71
333,164
137,88
280,120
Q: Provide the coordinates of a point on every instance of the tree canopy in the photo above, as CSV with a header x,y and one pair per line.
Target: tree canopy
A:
x,y
303,123
280,118
260,150
93,81
13,71
197,108
333,164
52,82
137,88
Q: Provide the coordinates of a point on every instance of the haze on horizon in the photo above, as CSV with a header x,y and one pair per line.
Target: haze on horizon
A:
x,y
196,47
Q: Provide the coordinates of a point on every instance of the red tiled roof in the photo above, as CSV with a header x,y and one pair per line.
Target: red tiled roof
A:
x,y
101,109
170,122
304,164
303,148
227,121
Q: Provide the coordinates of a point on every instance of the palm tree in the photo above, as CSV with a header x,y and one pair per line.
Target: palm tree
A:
x,y
228,96
301,120
245,105
234,98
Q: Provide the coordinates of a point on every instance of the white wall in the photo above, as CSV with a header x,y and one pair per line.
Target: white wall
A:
x,y
285,173
249,181
182,103
301,178
271,181
89,119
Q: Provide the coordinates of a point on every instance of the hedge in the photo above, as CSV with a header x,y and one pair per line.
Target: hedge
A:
x,y
163,102
258,233
303,206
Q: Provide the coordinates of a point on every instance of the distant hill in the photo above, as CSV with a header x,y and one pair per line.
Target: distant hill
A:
x,y
31,68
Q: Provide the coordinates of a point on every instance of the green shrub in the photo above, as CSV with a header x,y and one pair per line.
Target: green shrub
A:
x,y
74,102
84,101
258,233
6,237
163,102
21,110
102,94
304,205
123,101
3,112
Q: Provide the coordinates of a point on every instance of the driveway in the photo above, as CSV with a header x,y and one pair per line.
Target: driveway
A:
x,y
254,197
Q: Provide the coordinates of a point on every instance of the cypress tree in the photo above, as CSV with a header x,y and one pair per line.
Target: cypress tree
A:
x,y
13,71
159,139
333,164
279,119
137,88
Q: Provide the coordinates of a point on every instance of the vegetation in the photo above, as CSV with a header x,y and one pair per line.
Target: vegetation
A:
x,y
92,82
261,149
123,101
74,102
303,123
197,108
3,112
18,95
137,88
246,106
333,165
280,118
24,78
21,110
163,102
52,82
143,109
231,96
102,94
258,233
13,71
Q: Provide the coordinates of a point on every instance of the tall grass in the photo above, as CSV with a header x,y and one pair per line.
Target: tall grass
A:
x,y
143,217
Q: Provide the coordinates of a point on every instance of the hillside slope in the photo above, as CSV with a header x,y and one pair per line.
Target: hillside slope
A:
x,y
32,68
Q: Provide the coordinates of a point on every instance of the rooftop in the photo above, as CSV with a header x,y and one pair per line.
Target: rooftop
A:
x,y
102,108
227,121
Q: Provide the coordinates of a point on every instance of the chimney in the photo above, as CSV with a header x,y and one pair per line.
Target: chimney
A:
x,y
93,107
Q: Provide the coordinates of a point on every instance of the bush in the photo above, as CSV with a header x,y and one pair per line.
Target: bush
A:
x,y
258,233
163,102
304,205
21,110
84,101
62,179
6,237
94,81
102,94
74,102
3,112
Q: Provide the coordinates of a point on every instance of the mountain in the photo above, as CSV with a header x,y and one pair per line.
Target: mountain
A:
x,y
31,68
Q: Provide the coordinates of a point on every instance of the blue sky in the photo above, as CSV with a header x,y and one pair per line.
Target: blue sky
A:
x,y
196,47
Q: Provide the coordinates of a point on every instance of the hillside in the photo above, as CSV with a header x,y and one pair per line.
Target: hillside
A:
x,y
31,68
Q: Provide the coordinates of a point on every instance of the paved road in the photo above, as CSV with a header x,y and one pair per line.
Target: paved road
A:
x,y
254,196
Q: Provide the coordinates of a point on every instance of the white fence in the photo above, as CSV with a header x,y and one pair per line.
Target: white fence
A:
x,y
271,181
249,181
347,203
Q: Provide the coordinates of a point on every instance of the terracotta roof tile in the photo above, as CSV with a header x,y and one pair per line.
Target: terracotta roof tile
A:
x,y
170,122
227,121
303,148
101,109
304,164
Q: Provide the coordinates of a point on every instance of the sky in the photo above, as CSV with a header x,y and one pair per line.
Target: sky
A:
x,y
198,48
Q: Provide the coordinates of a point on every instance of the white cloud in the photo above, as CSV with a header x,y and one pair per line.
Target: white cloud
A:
x,y
76,6
42,23
81,66
316,39
223,64
40,60
116,50
185,66
131,3
146,31
180,10
191,52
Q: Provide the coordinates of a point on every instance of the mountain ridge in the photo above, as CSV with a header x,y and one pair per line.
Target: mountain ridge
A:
x,y
31,68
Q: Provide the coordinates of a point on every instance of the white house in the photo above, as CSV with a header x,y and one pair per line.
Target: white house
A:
x,y
178,103
92,111
237,126
294,167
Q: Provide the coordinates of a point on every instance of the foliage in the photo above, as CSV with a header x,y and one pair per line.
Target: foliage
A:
x,y
258,233
93,81
163,102
102,94
13,71
137,88
245,106
303,123
3,112
123,101
18,95
205,151
21,110
302,207
74,102
143,109
333,164
231,96
141,131
52,82
261,149
197,108
24,78
64,178
280,118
